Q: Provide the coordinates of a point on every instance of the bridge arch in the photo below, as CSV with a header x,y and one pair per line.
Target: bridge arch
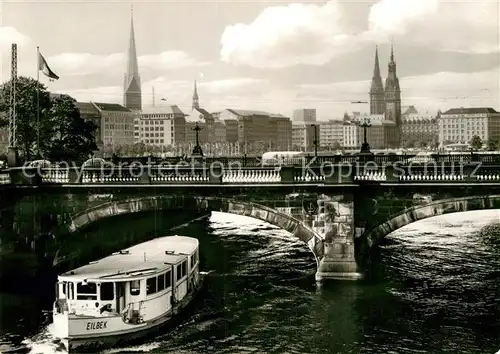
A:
x,y
374,235
199,203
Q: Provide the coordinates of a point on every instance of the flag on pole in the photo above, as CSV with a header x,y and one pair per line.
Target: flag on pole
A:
x,y
44,68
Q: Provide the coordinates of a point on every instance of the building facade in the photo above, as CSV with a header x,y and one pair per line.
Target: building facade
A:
x,y
419,130
304,135
162,126
304,115
331,135
257,131
460,125
117,124
89,112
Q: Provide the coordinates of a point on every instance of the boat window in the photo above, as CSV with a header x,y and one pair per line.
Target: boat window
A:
x,y
181,270
168,279
71,290
86,291
135,287
161,282
194,259
107,291
151,286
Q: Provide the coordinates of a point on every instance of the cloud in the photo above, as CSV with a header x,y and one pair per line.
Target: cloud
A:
x,y
283,36
79,64
9,35
177,92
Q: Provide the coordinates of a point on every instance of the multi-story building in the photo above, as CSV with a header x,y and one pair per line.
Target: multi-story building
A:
x,y
418,130
117,124
459,125
331,134
164,125
304,135
304,115
89,112
201,118
350,135
380,133
257,131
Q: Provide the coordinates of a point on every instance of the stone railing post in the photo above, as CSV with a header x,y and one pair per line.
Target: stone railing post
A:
x,y
145,175
30,176
287,174
74,175
341,174
215,173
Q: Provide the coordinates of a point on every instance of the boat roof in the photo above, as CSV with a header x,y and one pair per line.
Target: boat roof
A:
x,y
137,261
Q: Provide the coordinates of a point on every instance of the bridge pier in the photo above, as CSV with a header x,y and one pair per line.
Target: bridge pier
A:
x,y
338,263
337,215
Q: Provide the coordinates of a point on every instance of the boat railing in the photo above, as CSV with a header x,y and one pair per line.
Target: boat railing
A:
x,y
61,305
133,314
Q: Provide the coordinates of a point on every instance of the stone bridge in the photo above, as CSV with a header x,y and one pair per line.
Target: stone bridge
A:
x,y
340,223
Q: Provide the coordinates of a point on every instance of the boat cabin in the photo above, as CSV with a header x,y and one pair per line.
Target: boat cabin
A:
x,y
138,283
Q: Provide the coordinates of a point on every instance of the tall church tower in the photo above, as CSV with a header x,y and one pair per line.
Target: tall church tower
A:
x,y
196,103
392,93
393,104
377,104
132,96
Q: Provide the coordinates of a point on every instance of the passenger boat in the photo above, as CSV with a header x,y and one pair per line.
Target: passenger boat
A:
x,y
126,295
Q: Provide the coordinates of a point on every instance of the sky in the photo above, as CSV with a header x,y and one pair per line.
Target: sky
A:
x,y
271,56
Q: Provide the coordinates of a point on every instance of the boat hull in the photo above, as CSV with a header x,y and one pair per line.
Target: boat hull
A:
x,y
112,339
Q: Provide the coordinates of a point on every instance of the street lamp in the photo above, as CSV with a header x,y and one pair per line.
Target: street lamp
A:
x,y
315,142
365,147
197,148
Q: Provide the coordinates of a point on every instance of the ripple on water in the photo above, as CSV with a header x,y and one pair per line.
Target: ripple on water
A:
x,y
437,293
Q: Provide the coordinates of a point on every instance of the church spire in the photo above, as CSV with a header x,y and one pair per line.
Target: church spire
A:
x,y
196,103
132,85
377,105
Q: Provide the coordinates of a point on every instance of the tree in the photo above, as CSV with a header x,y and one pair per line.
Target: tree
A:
x,y
492,145
66,136
26,111
52,127
476,143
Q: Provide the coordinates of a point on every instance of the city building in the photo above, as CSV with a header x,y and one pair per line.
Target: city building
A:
x,y
304,135
162,126
379,132
304,115
117,124
89,112
459,125
201,118
418,130
350,135
257,131
331,135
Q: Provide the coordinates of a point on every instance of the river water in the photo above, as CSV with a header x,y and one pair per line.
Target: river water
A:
x,y
435,289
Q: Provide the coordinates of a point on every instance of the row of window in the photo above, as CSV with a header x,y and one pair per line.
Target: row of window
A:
x,y
158,283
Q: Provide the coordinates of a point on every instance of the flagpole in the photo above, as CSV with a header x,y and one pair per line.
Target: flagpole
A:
x,y
38,100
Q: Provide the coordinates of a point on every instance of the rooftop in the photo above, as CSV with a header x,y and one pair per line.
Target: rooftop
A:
x,y
248,113
167,109
113,107
146,257
472,110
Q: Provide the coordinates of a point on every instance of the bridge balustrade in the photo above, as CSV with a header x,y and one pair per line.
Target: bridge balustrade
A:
x,y
326,173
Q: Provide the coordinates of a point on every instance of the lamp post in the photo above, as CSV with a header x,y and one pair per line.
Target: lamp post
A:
x,y
365,147
197,148
315,142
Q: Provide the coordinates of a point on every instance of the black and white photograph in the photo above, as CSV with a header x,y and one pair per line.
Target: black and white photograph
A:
x,y
250,176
